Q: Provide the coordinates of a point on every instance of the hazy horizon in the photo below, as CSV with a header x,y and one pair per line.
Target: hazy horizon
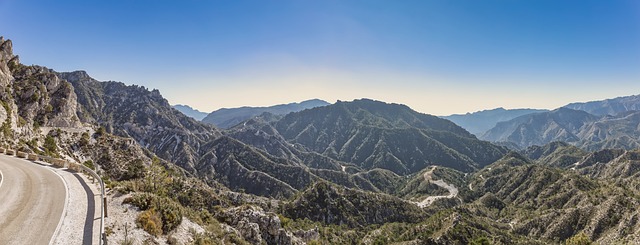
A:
x,y
438,57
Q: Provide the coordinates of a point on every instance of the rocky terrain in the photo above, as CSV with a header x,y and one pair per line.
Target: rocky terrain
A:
x,y
373,134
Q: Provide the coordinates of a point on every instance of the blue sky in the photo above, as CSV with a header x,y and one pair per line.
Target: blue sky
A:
x,y
439,57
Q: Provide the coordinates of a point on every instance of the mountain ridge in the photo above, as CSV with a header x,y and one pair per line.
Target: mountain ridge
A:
x,y
361,132
610,107
479,122
228,117
587,131
191,112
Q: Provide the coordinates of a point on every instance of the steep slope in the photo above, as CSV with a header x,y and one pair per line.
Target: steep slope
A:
x,y
133,111
372,134
611,164
228,117
259,132
609,106
330,204
541,128
557,154
480,121
620,131
190,112
32,97
578,128
554,204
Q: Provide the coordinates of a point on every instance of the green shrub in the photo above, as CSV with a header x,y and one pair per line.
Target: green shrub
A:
x,y
150,221
101,131
171,215
135,169
169,211
50,146
480,241
84,139
578,239
89,164
172,240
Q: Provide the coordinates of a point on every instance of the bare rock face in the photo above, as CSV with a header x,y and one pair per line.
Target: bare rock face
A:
x,y
32,96
144,115
6,54
44,98
257,226
8,110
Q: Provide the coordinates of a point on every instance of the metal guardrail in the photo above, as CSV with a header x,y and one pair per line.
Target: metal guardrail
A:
x,y
73,166
103,206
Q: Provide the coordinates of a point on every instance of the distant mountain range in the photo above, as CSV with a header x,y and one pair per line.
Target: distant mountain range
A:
x,y
479,122
229,117
540,128
580,128
609,106
190,112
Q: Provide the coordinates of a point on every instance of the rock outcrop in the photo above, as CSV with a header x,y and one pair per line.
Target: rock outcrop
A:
x,y
32,97
258,227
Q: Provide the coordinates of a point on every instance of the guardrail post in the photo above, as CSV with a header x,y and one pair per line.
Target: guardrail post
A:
x,y
105,206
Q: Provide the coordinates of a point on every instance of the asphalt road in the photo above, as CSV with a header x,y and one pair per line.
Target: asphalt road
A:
x,y
32,200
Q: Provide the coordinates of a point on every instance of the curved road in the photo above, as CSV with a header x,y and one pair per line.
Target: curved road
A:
x,y
32,199
453,191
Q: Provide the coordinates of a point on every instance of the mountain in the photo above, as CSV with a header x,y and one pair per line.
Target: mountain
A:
x,y
479,122
562,124
134,111
373,134
32,97
193,113
557,153
609,106
620,131
579,128
228,117
199,148
560,203
331,204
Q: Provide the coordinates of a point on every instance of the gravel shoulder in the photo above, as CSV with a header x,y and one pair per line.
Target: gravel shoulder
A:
x,y
81,221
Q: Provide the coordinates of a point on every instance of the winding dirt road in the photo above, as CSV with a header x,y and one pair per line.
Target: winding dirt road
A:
x,y
32,199
453,191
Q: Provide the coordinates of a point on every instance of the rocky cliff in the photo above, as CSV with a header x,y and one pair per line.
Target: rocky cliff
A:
x,y
32,97
134,111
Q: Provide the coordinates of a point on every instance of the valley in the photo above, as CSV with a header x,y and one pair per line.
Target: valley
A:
x,y
350,172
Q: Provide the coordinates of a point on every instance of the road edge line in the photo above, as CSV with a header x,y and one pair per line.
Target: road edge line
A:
x,y
1,178
64,209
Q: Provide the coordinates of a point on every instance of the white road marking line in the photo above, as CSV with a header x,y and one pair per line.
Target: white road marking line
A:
x,y
1,178
64,209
